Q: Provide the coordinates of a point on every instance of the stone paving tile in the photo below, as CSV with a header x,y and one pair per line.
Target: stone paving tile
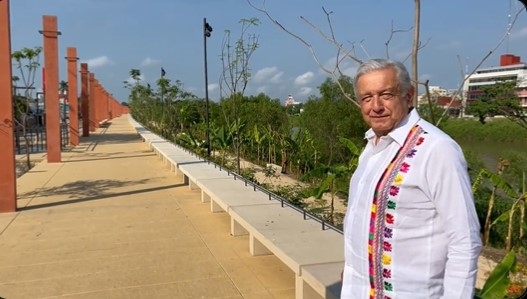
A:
x,y
111,221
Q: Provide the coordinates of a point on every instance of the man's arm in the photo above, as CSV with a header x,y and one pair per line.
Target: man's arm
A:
x,y
450,188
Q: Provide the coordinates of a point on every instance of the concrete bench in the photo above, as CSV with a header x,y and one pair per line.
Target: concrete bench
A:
x,y
227,193
315,255
174,160
321,280
148,138
280,230
173,155
161,148
195,171
298,243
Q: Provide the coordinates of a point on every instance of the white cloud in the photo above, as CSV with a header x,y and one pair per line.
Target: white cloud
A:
x,y
261,89
304,79
98,62
277,78
268,74
350,71
425,77
305,91
213,87
149,62
130,80
347,66
521,33
451,45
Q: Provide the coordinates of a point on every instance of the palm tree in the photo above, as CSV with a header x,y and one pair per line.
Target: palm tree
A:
x,y
63,87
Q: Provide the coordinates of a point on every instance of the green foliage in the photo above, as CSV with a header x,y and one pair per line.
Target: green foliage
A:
x,y
189,141
498,99
27,62
499,182
495,131
21,106
518,166
432,113
329,117
496,285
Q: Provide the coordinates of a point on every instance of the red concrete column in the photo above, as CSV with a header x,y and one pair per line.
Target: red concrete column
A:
x,y
115,110
85,100
108,107
51,92
7,148
72,95
97,101
92,117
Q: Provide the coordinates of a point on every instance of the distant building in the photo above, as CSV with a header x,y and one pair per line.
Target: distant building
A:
x,y
290,101
510,69
447,99
435,92
453,105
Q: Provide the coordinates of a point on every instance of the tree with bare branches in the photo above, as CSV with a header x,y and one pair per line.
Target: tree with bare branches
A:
x,y
235,57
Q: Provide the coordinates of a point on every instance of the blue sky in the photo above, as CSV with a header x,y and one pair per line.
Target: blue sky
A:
x,y
114,36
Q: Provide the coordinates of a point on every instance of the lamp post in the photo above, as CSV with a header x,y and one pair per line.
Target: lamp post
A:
x,y
207,29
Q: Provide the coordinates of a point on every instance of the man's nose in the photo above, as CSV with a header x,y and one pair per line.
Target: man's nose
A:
x,y
377,103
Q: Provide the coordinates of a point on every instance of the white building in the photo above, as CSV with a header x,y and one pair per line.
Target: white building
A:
x,y
290,101
435,92
510,68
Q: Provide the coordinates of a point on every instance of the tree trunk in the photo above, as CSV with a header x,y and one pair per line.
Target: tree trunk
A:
x,y
522,216
508,240
415,49
284,161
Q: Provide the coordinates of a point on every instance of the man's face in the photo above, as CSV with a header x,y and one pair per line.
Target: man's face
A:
x,y
382,105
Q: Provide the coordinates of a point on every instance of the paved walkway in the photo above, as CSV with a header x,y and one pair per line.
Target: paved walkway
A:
x,y
112,222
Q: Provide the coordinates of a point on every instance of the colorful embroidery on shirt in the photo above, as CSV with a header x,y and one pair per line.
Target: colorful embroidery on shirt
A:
x,y
382,219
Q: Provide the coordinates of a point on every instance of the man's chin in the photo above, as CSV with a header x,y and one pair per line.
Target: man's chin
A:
x,y
380,131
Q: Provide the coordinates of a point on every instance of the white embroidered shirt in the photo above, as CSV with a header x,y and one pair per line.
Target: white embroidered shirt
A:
x,y
411,229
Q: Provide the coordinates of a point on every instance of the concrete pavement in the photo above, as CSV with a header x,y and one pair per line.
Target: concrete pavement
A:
x,y
111,221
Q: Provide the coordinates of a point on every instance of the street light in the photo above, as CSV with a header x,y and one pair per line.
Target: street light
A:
x,y
207,29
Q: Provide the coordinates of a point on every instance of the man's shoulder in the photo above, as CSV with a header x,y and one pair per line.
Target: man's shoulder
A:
x,y
435,138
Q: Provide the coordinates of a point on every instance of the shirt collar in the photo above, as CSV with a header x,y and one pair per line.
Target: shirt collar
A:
x,y
401,130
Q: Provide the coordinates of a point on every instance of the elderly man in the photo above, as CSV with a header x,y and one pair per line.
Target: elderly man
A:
x,y
411,229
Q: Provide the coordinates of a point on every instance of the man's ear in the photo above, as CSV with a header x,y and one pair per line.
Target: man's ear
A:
x,y
410,95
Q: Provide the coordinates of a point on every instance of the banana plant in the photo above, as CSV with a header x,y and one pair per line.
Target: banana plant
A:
x,y
496,285
222,139
498,183
334,175
330,184
499,279
519,204
191,142
259,138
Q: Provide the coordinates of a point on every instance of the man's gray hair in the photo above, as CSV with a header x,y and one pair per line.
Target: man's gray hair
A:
x,y
405,83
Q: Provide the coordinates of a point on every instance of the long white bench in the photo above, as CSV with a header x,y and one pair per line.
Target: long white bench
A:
x,y
194,171
321,280
282,232
225,194
315,255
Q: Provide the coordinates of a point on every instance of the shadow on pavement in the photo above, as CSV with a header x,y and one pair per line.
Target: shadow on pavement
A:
x,y
83,191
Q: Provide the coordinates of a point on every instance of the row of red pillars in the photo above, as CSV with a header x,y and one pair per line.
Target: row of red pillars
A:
x,y
97,104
